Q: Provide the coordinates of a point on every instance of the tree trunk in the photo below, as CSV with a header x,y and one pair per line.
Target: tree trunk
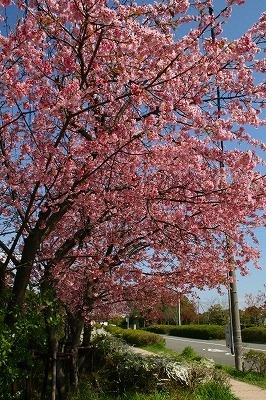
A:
x,y
22,277
87,354
61,382
28,257
2,278
45,378
54,374
76,326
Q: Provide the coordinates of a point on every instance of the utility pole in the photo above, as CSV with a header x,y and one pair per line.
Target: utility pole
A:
x,y
179,311
235,326
235,321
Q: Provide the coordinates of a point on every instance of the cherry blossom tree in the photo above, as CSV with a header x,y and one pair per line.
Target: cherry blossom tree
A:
x,y
114,181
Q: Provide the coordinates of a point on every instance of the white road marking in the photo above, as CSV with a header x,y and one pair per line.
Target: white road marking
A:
x,y
216,351
194,341
215,344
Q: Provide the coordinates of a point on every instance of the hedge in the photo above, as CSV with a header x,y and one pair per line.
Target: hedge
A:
x,y
199,331
190,331
136,337
207,332
254,335
160,329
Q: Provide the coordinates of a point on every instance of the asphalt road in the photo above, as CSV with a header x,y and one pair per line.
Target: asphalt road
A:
x,y
214,349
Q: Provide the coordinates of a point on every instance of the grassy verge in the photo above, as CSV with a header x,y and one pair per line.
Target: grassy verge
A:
x,y
88,393
252,378
208,391
188,352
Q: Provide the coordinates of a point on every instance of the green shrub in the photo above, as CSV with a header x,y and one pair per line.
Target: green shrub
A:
x,y
114,330
189,354
136,337
16,350
118,321
204,371
87,392
255,361
199,331
161,329
213,391
254,335
191,331
121,371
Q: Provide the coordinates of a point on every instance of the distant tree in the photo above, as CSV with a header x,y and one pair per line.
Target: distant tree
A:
x,y
188,311
255,311
216,315
252,316
169,312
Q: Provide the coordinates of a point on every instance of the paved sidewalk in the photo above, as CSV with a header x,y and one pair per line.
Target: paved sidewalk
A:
x,y
245,391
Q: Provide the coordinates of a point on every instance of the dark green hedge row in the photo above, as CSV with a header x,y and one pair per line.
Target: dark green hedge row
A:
x,y
150,337
199,331
254,335
191,331
161,329
250,335
136,337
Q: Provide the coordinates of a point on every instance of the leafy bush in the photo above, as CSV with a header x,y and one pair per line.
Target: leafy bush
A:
x,y
189,354
16,350
199,331
255,361
254,334
161,329
213,391
204,371
136,337
190,331
88,392
120,370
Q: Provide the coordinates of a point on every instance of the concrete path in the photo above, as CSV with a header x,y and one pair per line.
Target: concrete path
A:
x,y
245,391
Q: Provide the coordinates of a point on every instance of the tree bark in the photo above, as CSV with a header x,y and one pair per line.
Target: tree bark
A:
x,y
85,344
22,277
76,326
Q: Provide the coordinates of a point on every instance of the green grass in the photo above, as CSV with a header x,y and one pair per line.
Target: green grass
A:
x,y
252,378
159,350
87,392
188,353
153,396
209,391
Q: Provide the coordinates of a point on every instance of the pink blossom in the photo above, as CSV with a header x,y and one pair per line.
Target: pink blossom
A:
x,y
113,175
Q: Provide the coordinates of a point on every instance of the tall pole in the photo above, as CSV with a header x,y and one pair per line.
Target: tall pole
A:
x,y
179,311
233,297
235,320
198,310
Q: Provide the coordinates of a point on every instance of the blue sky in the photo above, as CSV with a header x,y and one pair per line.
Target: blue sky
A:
x,y
242,18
